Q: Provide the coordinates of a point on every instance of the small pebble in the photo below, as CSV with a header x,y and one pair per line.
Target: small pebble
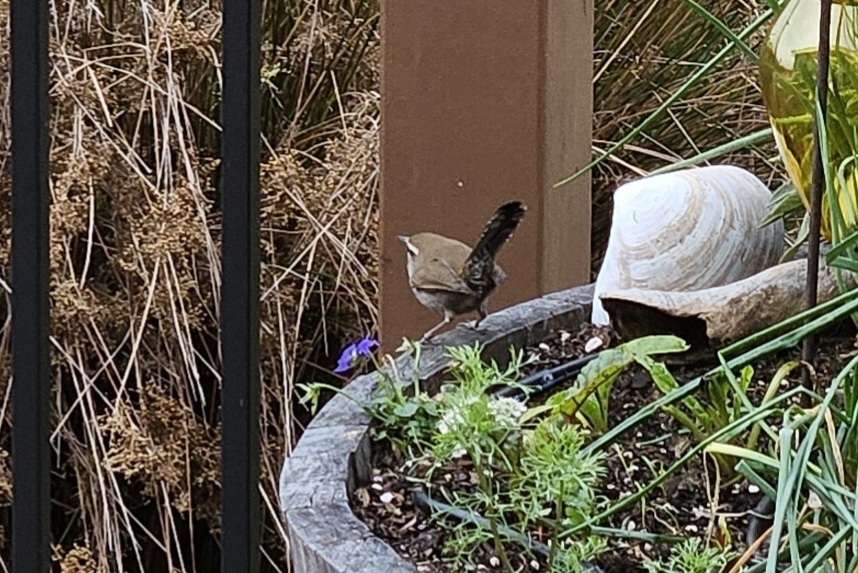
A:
x,y
377,486
691,528
494,561
534,565
631,525
593,344
813,501
610,486
701,512
753,489
564,336
544,347
386,497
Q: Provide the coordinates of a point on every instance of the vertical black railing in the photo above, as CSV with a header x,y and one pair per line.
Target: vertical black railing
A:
x,y
30,269
239,294
240,287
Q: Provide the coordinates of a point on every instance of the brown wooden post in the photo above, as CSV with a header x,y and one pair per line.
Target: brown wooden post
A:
x,y
483,102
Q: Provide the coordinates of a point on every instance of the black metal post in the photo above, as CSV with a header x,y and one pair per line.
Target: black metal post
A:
x,y
817,183
31,527
240,287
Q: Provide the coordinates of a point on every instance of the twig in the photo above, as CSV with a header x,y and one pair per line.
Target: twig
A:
x,y
810,344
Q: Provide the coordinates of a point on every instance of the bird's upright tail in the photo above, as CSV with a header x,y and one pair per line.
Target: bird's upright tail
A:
x,y
498,230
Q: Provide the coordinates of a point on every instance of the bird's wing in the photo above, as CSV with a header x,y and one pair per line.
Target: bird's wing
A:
x,y
442,276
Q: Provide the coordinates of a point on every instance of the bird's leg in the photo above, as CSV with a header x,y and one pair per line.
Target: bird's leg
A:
x,y
448,316
482,312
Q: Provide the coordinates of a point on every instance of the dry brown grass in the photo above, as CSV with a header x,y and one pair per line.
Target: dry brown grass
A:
x,y
135,241
135,244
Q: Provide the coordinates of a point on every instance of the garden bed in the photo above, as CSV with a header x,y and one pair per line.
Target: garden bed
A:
x,y
687,505
350,506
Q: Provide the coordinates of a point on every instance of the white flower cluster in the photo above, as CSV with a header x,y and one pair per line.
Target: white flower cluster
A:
x,y
452,420
455,416
507,411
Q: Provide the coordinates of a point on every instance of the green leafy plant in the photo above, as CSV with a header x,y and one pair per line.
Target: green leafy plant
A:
x,y
404,413
524,475
554,482
526,478
727,402
401,410
588,398
811,476
691,556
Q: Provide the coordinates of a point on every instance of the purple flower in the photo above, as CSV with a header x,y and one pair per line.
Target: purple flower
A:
x,y
354,351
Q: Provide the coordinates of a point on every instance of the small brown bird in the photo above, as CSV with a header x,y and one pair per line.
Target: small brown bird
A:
x,y
449,277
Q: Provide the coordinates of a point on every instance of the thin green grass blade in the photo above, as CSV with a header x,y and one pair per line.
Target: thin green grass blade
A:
x,y
782,496
842,247
730,147
754,477
827,550
804,324
801,238
845,263
784,200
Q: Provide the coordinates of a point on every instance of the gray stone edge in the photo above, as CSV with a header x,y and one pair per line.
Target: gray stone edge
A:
x,y
332,457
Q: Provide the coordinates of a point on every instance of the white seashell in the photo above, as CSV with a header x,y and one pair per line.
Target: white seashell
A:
x,y
687,230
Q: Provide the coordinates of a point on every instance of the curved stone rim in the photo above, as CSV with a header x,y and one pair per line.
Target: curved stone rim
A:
x,y
332,457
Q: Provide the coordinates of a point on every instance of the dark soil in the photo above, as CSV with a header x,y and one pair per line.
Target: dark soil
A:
x,y
690,503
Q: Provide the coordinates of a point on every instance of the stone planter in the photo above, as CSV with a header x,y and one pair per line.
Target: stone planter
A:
x,y
332,457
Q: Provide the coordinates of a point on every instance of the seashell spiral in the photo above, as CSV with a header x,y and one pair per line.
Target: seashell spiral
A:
x,y
687,230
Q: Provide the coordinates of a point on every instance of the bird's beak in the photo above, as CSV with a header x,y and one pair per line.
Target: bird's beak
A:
x,y
402,238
